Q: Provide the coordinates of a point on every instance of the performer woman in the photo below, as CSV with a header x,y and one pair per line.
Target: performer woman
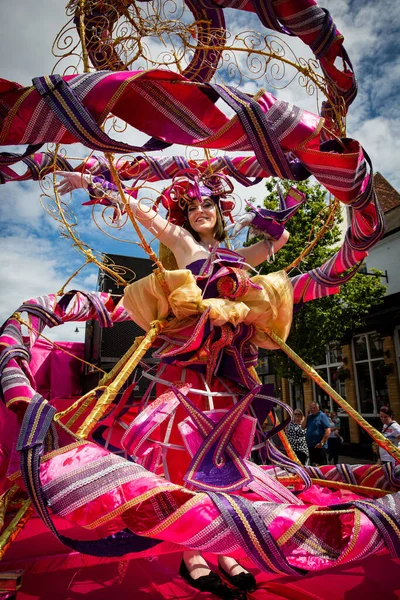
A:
x,y
195,242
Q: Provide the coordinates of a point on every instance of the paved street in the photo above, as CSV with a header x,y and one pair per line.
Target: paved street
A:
x,y
349,460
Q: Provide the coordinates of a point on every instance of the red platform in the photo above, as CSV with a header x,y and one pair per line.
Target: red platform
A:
x,y
53,572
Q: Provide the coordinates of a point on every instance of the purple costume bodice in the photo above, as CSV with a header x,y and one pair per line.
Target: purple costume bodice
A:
x,y
210,290
222,275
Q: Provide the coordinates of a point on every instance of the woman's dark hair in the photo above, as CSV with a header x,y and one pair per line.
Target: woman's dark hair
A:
x,y
387,411
219,229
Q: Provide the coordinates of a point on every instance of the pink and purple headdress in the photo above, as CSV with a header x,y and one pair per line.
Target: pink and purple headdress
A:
x,y
189,185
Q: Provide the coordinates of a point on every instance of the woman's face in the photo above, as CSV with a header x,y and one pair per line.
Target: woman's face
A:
x,y
297,416
385,418
202,216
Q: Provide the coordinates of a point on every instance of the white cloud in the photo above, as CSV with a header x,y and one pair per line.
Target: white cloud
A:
x,y
28,30
32,266
380,137
28,268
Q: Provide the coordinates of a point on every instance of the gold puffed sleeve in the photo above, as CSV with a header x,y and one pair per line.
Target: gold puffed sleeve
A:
x,y
271,307
268,306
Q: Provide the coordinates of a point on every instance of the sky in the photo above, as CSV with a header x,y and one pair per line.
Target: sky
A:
x,y
37,259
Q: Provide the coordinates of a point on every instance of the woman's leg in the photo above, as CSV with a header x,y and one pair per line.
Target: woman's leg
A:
x,y
302,456
231,566
196,564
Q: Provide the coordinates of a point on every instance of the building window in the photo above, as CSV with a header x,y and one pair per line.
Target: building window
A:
x,y
369,364
266,372
330,371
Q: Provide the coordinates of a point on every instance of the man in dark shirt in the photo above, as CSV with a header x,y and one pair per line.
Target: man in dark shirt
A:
x,y
318,431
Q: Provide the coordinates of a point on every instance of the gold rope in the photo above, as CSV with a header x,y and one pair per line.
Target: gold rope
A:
x,y
113,388
310,372
339,485
82,35
15,526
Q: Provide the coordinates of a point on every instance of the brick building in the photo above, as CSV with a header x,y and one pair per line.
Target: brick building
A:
x,y
364,367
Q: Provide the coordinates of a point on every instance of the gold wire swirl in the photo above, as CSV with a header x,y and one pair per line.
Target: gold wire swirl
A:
x,y
127,35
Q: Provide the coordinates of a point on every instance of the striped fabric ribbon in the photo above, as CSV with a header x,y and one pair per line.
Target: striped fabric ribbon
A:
x,y
14,352
39,164
12,347
94,304
247,522
252,535
299,127
315,27
65,104
302,18
36,424
342,170
392,473
46,311
281,460
49,318
70,106
366,229
259,130
10,158
384,514
217,451
346,474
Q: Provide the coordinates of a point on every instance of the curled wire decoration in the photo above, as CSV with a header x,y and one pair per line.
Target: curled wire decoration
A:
x,y
129,35
162,34
116,271
60,210
67,49
182,37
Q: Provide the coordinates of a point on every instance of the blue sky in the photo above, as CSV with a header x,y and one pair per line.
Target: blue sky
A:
x,y
37,260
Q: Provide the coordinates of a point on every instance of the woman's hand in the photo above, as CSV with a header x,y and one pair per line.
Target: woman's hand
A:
x,y
72,180
100,191
263,224
243,221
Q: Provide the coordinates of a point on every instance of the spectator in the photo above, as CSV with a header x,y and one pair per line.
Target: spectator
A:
x,y
297,436
318,431
334,439
391,431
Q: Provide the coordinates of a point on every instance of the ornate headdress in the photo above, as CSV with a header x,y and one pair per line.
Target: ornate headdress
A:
x,y
190,184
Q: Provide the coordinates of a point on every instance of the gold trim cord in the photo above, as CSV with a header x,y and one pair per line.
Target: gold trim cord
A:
x,y
113,388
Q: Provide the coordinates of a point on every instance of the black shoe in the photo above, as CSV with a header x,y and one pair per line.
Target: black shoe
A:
x,y
211,583
242,581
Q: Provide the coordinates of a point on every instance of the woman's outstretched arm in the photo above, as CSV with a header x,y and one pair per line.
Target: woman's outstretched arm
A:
x,y
107,193
262,251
